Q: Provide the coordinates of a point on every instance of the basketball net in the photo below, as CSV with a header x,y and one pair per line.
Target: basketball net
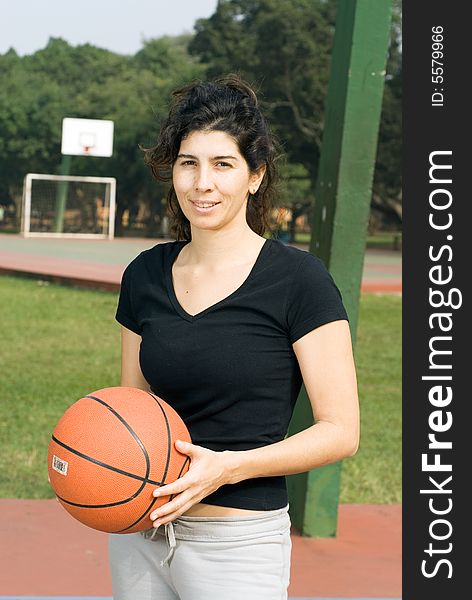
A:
x,y
87,141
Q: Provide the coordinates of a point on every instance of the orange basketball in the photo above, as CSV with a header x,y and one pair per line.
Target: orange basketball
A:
x,y
109,451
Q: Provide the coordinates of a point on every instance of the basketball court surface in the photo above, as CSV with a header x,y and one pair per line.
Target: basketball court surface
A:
x,y
100,263
47,555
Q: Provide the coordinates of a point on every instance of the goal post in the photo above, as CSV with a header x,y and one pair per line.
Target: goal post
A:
x,y
68,206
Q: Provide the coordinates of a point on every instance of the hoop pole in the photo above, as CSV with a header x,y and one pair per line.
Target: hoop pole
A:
x,y
112,209
341,210
61,196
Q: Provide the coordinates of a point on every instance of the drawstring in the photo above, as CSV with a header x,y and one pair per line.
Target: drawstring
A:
x,y
150,534
170,535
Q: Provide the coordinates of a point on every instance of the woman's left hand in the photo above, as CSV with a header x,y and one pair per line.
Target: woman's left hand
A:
x,y
207,472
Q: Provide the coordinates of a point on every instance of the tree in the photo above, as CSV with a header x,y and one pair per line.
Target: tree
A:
x,y
284,46
30,121
168,58
38,91
75,67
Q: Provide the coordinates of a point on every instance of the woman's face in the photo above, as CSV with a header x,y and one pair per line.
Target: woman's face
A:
x,y
212,180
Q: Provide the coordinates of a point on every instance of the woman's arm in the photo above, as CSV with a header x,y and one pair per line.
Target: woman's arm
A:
x,y
327,366
131,374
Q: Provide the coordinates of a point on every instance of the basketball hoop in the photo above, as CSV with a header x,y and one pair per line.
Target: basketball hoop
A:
x,y
87,141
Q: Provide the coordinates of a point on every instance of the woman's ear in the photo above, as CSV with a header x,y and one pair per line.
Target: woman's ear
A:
x,y
256,179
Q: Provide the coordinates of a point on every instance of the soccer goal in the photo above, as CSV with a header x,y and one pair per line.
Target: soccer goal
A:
x,y
68,206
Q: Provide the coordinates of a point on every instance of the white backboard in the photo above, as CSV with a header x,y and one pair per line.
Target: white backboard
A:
x,y
87,137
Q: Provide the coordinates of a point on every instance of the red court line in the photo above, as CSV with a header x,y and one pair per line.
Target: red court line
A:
x,y
61,267
381,286
108,276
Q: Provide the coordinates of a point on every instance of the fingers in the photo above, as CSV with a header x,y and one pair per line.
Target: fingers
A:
x,y
176,507
176,487
171,510
187,448
184,482
181,493
203,477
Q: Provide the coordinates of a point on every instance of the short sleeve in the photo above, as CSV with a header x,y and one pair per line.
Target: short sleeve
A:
x,y
125,315
313,300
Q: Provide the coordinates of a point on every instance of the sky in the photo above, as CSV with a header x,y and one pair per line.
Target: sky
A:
x,y
117,25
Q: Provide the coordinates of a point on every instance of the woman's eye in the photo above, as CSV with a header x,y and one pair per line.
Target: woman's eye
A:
x,y
222,164
188,162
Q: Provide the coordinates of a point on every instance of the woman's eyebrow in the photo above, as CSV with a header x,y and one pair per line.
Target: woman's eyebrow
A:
x,y
225,157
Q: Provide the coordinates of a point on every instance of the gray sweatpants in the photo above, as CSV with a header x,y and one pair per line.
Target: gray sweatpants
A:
x,y
205,558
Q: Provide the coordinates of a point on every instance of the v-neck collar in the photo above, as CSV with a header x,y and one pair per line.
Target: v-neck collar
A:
x,y
172,257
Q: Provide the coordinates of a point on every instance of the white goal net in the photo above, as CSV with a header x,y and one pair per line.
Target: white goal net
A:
x,y
68,206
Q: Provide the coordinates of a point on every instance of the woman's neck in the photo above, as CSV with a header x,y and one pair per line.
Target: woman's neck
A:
x,y
216,249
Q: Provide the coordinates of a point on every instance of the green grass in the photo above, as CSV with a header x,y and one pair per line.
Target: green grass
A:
x,y
390,240
57,343
60,342
374,473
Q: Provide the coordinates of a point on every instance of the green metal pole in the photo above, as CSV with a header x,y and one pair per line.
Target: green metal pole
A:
x,y
341,210
61,195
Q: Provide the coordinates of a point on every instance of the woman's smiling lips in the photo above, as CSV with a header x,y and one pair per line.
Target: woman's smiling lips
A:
x,y
202,206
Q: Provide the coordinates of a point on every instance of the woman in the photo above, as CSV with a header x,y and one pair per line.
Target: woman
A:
x,y
224,325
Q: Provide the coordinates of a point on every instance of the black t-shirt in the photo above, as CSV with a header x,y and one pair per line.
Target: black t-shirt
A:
x,y
230,370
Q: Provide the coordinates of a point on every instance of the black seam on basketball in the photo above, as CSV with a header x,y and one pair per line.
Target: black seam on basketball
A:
x,y
141,487
130,429
104,465
144,514
169,440
166,468
187,460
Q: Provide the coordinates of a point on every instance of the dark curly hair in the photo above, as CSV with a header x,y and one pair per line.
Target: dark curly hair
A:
x,y
226,104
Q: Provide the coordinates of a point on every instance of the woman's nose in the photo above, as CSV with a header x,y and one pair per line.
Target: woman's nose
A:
x,y
203,180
